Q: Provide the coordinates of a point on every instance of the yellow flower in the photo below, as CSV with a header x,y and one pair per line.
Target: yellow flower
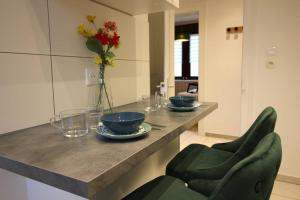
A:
x,y
81,29
91,18
98,60
86,33
110,62
90,33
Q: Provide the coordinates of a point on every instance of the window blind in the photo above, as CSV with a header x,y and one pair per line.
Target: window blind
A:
x,y
178,58
194,55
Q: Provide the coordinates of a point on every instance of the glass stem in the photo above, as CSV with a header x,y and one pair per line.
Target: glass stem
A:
x,y
109,104
102,90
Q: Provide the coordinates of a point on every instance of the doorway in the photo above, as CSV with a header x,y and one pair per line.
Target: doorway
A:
x,y
220,61
186,54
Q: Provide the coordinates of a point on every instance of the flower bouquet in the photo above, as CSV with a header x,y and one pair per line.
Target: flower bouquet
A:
x,y
101,41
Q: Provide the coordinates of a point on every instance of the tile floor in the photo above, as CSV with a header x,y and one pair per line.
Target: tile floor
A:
x,y
281,191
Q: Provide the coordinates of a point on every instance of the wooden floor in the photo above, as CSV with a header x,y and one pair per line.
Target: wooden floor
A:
x,y
281,191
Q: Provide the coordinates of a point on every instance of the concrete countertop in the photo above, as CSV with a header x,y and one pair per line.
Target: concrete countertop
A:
x,y
88,164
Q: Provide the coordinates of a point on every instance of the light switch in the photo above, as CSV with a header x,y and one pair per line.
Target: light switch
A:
x,y
91,77
271,57
272,51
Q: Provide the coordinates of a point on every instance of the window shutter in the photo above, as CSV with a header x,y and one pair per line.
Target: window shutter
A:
x,y
178,58
194,55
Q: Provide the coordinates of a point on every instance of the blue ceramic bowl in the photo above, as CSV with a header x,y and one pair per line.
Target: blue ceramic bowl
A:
x,y
182,101
123,122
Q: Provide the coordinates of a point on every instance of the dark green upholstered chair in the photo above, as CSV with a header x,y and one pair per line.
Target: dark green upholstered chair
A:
x,y
250,179
210,164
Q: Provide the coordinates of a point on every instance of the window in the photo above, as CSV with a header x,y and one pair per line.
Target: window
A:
x,y
194,55
178,58
186,58
186,54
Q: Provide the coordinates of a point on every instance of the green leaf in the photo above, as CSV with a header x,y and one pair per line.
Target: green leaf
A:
x,y
110,54
93,45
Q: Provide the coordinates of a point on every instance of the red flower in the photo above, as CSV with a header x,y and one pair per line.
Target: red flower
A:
x,y
103,38
110,26
115,40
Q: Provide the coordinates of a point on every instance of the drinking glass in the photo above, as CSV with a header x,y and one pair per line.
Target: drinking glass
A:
x,y
72,123
95,117
150,103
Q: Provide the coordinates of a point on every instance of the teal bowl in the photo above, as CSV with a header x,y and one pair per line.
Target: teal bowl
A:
x,y
182,101
123,122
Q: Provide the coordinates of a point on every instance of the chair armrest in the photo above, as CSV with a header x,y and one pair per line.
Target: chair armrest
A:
x,y
203,186
209,173
229,146
216,172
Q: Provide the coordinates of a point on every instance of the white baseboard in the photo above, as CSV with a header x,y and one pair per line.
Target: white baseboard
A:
x,y
288,179
221,136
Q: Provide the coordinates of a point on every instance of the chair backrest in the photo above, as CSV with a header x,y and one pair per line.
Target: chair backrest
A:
x,y
253,177
264,124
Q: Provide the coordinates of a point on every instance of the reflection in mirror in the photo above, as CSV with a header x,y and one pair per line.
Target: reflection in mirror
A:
x,y
186,53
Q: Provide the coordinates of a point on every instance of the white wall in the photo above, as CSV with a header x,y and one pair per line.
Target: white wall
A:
x,y
12,186
26,70
157,43
267,23
274,23
223,66
169,37
142,55
29,61
25,79
220,62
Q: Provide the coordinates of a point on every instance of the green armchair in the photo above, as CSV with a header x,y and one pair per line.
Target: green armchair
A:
x,y
250,179
204,163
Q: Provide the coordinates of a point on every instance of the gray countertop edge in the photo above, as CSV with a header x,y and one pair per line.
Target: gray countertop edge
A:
x,y
65,183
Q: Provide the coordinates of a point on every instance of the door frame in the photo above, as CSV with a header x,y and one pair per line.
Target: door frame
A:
x,y
169,53
169,77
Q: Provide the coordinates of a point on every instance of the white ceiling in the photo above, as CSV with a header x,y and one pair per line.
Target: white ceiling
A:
x,y
136,7
190,18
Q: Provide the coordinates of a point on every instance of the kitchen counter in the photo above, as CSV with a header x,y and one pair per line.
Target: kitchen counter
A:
x,y
86,165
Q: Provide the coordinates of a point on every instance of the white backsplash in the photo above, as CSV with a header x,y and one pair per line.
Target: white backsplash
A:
x,y
26,68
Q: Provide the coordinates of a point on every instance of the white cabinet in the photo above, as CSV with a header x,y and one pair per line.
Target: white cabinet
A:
x,y
136,7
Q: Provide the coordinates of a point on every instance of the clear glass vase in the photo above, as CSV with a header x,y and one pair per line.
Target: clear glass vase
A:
x,y
103,97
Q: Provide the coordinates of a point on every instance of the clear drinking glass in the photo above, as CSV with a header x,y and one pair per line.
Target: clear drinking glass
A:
x,y
95,118
151,103
163,101
72,123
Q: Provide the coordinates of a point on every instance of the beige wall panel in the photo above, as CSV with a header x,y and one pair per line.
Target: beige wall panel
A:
x,y
24,26
142,37
143,79
26,91
70,90
65,17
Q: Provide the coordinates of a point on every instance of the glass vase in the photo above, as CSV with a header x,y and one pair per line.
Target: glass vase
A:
x,y
103,97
